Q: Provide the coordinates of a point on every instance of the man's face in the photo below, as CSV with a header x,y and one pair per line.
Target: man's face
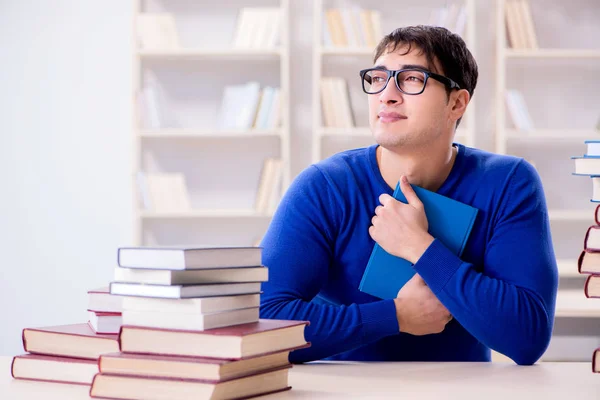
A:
x,y
400,120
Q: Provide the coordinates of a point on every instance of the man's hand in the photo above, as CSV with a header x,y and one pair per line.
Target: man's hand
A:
x,y
401,229
418,311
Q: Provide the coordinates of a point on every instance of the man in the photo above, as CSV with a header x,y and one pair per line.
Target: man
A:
x,y
499,295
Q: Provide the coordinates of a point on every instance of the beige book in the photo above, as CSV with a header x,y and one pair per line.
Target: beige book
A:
x,y
528,24
342,93
512,29
367,27
327,104
157,31
334,20
260,203
377,26
275,192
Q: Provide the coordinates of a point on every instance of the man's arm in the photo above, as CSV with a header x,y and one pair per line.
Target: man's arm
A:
x,y
510,305
298,250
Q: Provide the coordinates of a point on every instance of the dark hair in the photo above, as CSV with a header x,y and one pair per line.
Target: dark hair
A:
x,y
439,43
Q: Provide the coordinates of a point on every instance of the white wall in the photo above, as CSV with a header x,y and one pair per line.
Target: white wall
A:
x,y
64,157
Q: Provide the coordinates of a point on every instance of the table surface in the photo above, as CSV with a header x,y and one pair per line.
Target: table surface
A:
x,y
423,381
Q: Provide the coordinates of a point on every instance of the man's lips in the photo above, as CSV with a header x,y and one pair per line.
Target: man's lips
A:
x,y
387,117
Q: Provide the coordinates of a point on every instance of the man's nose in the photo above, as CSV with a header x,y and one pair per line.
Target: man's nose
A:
x,y
391,94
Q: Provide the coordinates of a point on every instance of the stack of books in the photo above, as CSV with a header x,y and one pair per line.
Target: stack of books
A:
x,y
191,327
70,353
589,259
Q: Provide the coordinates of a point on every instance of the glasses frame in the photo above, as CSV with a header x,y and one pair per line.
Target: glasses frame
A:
x,y
394,74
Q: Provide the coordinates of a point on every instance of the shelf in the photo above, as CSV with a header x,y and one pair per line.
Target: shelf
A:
x,y
189,53
207,133
552,134
568,269
204,213
552,53
571,215
346,51
573,303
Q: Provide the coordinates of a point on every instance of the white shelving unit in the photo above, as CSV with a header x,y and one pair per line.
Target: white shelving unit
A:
x,y
352,59
215,54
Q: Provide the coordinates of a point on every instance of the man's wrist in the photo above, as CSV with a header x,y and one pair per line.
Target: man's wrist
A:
x,y
421,247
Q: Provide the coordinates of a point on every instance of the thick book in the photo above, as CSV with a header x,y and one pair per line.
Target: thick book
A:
x,y
102,301
191,367
592,287
183,291
192,306
77,340
195,321
103,322
191,277
37,367
587,165
136,387
591,240
233,342
182,258
449,221
589,262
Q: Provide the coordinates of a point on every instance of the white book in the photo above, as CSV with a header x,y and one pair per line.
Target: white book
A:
x,y
183,291
263,108
157,31
264,186
523,110
274,33
191,277
105,323
181,258
461,21
101,300
192,306
190,321
275,192
587,165
248,104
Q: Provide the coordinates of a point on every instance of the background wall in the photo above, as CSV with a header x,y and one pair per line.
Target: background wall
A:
x,y
65,147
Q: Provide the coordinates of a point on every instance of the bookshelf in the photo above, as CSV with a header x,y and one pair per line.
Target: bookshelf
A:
x,y
197,51
330,59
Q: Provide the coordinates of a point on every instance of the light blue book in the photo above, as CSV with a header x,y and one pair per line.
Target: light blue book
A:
x,y
449,220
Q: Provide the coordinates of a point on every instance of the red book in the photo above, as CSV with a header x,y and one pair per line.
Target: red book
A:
x,y
54,369
596,360
78,341
591,242
589,262
592,286
136,387
190,367
232,342
597,214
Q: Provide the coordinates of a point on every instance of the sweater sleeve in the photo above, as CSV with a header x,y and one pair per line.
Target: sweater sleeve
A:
x,y
298,250
509,305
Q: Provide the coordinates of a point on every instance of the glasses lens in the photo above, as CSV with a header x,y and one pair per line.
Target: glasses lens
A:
x,y
411,82
374,80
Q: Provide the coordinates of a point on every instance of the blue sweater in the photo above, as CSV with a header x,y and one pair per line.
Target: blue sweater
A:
x,y
501,292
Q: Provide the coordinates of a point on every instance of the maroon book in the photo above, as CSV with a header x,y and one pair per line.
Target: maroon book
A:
x,y
77,340
36,367
592,287
232,342
596,360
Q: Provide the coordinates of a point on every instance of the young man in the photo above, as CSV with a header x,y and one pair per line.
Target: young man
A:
x,y
499,295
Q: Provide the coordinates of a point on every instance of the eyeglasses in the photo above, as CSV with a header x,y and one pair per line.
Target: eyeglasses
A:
x,y
408,81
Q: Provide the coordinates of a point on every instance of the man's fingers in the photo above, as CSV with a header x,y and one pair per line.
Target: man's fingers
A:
x,y
409,193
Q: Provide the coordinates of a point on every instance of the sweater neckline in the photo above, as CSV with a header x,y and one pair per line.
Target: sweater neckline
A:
x,y
448,183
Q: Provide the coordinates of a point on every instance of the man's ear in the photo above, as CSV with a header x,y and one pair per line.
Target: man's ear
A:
x,y
459,101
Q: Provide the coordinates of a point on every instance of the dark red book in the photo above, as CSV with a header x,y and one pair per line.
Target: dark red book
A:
x,y
588,262
190,367
78,341
592,287
232,342
596,360
597,214
591,242
54,369
136,387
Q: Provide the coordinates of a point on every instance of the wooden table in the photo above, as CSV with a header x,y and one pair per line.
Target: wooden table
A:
x,y
422,381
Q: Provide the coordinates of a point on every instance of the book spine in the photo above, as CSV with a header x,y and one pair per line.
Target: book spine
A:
x,y
595,354
580,262
586,287
596,215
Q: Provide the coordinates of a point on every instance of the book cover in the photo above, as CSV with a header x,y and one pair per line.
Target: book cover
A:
x,y
450,221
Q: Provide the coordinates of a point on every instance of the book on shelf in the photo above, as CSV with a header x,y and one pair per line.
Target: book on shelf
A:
x,y
238,106
190,367
76,340
139,387
518,111
183,258
157,31
233,342
449,221
195,321
257,28
269,186
519,25
183,291
163,192
153,103
44,368
191,277
201,305
452,17
351,27
336,103
105,322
